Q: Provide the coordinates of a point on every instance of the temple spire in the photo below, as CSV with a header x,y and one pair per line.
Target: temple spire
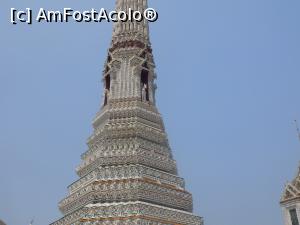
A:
x,y
131,30
128,174
290,200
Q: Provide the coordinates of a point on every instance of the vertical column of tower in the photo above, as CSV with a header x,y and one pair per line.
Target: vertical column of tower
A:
x,y
130,50
128,30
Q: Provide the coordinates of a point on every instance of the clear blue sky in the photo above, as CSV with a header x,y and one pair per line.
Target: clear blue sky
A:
x,y
228,78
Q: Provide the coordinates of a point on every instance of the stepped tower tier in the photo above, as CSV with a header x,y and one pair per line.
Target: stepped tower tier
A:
x,y
128,174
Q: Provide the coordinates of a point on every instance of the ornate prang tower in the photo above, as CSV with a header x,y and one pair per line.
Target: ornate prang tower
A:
x,y
128,174
290,200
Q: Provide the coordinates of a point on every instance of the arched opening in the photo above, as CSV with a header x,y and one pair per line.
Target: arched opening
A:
x,y
294,217
107,82
145,85
109,59
107,89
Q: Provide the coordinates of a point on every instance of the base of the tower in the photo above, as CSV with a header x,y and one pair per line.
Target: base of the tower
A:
x,y
131,213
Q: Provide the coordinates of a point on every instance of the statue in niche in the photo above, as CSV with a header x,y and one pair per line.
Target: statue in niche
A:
x,y
144,93
105,96
154,92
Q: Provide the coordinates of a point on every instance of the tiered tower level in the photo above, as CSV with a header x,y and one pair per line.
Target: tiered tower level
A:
x,y
128,174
